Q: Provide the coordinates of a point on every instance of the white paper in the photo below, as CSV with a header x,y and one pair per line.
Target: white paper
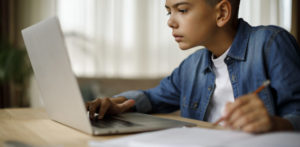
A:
x,y
176,137
279,139
199,137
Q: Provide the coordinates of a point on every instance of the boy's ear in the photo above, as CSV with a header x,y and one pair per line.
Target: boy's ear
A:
x,y
224,12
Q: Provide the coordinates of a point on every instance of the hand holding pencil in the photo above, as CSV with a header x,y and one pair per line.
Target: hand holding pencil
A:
x,y
248,113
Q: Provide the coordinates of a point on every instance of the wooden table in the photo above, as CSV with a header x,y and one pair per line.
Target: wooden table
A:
x,y
32,126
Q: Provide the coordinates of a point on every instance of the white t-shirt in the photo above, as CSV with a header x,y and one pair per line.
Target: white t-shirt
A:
x,y
223,92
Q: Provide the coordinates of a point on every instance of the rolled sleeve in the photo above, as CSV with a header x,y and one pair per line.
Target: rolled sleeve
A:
x,y
142,103
295,121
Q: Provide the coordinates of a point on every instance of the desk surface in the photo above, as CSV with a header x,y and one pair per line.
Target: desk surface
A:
x,y
33,126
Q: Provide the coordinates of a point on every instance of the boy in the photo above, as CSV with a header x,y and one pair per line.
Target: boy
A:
x,y
236,60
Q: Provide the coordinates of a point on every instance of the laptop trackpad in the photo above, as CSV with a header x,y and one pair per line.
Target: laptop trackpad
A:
x,y
112,122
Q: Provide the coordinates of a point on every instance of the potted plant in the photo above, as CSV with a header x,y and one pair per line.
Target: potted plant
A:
x,y
15,71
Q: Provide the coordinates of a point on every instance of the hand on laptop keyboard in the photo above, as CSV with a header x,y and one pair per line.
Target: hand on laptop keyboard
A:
x,y
110,106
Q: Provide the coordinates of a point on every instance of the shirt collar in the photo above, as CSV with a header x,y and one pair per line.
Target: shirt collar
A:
x,y
239,45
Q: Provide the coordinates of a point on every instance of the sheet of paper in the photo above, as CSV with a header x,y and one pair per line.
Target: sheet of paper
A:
x,y
280,139
176,137
199,137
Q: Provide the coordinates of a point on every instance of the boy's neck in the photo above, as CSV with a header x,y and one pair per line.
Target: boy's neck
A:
x,y
222,40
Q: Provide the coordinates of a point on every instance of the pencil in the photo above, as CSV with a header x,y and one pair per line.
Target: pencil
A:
x,y
259,89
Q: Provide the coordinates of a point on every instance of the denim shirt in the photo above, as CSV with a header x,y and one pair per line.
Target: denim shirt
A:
x,y
256,54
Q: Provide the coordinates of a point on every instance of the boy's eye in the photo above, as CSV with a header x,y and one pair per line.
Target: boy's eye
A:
x,y
168,13
182,10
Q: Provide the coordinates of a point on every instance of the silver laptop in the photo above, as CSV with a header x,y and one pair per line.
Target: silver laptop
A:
x,y
60,91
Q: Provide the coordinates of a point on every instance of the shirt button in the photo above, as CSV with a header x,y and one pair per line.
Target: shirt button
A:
x,y
195,105
209,88
233,78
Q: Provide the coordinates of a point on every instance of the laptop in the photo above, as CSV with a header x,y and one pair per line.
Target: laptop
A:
x,y
60,92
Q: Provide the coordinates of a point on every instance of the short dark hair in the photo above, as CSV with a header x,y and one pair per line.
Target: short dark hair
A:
x,y
235,4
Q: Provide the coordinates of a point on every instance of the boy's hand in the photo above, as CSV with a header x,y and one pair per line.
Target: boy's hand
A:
x,y
111,106
249,114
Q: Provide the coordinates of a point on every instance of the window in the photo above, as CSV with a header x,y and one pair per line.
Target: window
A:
x,y
130,38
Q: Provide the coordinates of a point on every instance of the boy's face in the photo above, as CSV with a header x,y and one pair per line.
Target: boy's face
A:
x,y
193,22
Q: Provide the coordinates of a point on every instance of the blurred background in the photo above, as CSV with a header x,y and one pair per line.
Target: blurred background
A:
x,y
114,45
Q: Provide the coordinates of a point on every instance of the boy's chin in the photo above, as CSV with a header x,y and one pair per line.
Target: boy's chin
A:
x,y
185,46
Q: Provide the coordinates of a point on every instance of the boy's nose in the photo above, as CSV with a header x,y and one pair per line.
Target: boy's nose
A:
x,y
172,23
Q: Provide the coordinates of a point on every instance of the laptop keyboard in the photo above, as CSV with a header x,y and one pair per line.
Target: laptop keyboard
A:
x,y
109,122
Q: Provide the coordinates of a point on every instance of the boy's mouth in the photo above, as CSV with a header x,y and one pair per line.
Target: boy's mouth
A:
x,y
178,38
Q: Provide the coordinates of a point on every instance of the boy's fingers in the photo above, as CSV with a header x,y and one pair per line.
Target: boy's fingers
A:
x,y
126,105
87,104
231,107
93,107
105,104
246,120
118,100
260,126
241,112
